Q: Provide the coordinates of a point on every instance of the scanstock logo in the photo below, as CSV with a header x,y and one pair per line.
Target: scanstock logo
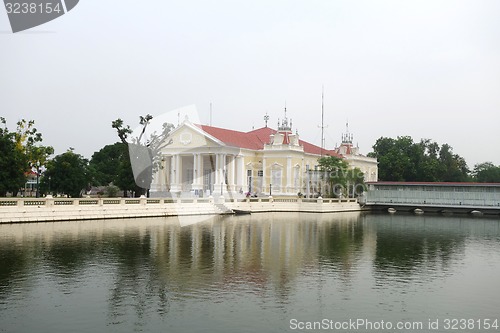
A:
x,y
26,14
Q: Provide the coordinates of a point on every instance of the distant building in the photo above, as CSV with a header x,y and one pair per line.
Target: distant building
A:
x,y
368,165
205,160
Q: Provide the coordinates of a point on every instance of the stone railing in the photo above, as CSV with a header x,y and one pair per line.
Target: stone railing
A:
x,y
293,204
49,201
298,200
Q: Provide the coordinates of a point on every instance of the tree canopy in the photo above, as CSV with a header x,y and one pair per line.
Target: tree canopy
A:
x,y
486,172
111,164
13,163
341,179
19,151
68,174
402,159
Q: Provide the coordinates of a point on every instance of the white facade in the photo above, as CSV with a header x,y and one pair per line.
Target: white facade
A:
x,y
205,160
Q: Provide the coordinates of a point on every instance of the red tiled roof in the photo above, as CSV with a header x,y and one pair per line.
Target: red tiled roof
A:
x,y
256,139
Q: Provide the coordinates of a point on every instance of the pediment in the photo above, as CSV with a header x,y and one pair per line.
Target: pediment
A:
x,y
188,136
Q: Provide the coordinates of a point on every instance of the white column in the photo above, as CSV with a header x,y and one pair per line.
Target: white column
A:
x,y
200,170
217,170
264,173
233,173
172,172
155,182
195,171
240,182
178,170
176,173
289,184
162,174
168,172
224,168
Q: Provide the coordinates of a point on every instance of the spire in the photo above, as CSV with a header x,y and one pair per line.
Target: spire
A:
x,y
347,137
285,126
266,118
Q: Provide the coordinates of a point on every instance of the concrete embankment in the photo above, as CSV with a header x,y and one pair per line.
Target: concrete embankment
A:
x,y
65,209
294,205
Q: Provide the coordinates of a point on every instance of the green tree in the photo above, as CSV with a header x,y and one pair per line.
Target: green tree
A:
x,y
27,141
338,176
13,163
111,164
394,158
68,174
402,159
355,182
20,150
454,168
105,163
486,172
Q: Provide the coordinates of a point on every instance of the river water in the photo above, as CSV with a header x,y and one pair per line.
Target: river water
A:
x,y
255,273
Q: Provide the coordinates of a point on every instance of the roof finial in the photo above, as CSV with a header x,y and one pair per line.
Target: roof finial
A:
x,y
266,118
284,125
347,137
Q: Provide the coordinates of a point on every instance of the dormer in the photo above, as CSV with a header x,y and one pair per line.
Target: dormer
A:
x,y
278,139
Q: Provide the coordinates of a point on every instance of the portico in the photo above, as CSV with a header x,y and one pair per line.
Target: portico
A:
x,y
200,173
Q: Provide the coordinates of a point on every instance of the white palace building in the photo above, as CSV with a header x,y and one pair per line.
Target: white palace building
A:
x,y
204,160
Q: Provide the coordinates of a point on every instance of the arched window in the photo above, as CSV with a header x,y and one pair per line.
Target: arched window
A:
x,y
276,177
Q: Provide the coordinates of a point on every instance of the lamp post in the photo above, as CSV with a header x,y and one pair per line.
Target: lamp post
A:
x,y
37,178
308,175
270,189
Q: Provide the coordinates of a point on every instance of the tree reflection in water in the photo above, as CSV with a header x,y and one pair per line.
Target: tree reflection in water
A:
x,y
151,266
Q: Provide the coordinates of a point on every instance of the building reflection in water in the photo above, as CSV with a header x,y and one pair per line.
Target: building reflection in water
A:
x,y
150,265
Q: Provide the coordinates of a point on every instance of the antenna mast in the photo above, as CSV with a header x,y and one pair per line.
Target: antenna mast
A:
x,y
322,121
210,113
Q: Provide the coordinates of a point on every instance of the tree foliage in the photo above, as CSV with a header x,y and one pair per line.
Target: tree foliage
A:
x,y
111,165
339,176
68,174
27,141
19,151
13,163
402,159
486,172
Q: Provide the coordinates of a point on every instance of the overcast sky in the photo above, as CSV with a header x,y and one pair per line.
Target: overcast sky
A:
x,y
428,69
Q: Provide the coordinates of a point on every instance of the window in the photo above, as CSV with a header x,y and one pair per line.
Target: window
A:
x,y
260,173
276,179
249,181
296,178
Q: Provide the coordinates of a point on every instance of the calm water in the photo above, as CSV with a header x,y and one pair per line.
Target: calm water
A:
x,y
254,273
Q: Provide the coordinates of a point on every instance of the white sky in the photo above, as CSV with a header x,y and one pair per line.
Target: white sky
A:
x,y
428,69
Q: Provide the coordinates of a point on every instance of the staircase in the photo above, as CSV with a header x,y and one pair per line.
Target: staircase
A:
x,y
223,209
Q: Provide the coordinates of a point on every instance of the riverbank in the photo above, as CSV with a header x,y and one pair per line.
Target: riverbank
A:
x,y
21,210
